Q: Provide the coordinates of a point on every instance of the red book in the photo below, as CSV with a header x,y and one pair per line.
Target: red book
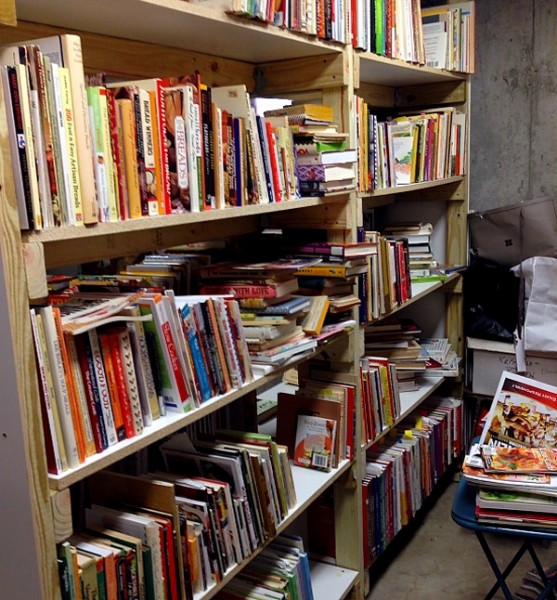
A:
x,y
120,377
113,387
118,154
274,159
270,290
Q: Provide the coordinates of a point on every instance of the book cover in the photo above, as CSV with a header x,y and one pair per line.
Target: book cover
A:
x,y
314,443
326,173
126,117
521,413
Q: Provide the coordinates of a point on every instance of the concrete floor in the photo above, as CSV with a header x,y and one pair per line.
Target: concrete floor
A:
x,y
442,561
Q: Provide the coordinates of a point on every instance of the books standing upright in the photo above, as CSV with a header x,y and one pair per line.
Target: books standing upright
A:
x,y
65,50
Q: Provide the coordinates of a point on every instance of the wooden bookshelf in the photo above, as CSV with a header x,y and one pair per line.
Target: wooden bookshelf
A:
x,y
146,38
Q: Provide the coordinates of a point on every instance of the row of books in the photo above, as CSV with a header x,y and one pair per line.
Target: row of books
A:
x,y
439,36
178,532
110,365
401,472
410,148
380,396
85,151
421,261
386,282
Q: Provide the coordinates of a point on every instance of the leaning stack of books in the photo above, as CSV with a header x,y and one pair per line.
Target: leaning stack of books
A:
x,y
514,464
269,305
323,163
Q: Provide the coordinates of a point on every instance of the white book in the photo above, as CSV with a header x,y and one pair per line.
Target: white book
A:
x,y
59,380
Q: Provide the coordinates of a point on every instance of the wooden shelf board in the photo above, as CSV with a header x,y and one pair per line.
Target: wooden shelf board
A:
x,y
74,234
331,582
411,400
382,70
413,187
179,24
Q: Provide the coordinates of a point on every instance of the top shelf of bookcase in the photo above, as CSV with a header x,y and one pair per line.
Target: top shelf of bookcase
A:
x,y
382,70
175,23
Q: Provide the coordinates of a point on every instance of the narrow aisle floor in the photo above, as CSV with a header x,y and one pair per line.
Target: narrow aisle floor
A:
x,y
442,561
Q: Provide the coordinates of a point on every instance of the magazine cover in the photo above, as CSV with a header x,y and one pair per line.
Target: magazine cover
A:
x,y
523,414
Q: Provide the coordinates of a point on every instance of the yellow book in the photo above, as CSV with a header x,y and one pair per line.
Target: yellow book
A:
x,y
127,118
23,85
75,202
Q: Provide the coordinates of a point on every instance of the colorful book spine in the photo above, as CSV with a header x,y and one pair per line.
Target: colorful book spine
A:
x,y
76,204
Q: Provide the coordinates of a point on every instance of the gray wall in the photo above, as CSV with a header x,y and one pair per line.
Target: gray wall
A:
x,y
514,103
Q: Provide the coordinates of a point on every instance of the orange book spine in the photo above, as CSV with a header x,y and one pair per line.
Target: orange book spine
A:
x,y
120,376
77,417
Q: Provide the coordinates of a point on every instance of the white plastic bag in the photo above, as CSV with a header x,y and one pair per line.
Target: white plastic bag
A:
x,y
537,332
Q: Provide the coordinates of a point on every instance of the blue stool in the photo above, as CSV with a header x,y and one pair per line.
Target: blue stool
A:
x,y
463,513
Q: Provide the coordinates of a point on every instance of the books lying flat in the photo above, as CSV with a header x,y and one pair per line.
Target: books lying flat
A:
x,y
499,459
283,352
335,249
326,172
330,157
315,112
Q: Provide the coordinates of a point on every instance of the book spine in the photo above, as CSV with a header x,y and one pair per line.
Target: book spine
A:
x,y
102,387
30,149
52,417
90,385
118,393
149,203
162,128
145,379
208,158
15,97
110,164
116,140
99,153
196,353
240,291
50,157
71,143
130,378
59,378
231,352
139,119
81,395
73,60
238,332
155,187
127,119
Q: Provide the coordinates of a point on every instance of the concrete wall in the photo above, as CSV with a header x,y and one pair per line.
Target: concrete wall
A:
x,y
514,103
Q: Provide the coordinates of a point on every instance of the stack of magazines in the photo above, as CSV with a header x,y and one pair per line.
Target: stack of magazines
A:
x,y
514,464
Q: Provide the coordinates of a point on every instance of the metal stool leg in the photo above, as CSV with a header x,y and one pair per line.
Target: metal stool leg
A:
x,y
500,575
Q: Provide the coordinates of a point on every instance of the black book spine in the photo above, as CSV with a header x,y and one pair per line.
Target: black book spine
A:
x,y
208,149
15,98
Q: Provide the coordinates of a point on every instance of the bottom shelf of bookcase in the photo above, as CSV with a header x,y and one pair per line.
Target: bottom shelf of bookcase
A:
x,y
331,582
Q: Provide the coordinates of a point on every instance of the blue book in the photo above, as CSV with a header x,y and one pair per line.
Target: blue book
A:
x,y
200,370
294,305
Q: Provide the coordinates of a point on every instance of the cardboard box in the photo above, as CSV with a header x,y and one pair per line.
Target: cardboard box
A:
x,y
486,360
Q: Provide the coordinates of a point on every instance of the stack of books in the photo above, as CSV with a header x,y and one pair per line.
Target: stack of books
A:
x,y
514,464
441,359
323,163
270,306
421,261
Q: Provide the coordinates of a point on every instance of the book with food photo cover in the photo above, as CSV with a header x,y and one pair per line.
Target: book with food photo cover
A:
x,y
523,413
315,440
499,459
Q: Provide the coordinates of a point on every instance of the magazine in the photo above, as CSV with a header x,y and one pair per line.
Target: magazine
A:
x,y
499,459
523,414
